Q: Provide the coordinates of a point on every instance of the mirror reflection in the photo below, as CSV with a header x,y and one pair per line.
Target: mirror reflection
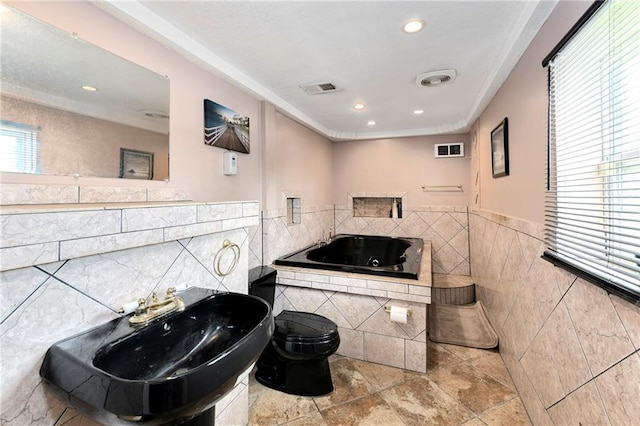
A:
x,y
69,108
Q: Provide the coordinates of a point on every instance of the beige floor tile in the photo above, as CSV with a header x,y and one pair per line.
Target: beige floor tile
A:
x,y
348,384
511,413
314,419
381,376
370,410
464,386
474,422
471,387
271,407
421,402
438,356
492,365
255,388
464,352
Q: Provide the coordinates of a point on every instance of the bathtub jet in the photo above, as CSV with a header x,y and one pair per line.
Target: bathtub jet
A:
x,y
364,254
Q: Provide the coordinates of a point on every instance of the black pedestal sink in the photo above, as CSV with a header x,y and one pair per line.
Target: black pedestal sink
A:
x,y
165,372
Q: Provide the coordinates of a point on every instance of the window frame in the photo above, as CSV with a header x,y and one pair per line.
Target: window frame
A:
x,y
608,285
28,142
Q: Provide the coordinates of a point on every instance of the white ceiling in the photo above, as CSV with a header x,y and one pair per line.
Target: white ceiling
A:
x,y
272,47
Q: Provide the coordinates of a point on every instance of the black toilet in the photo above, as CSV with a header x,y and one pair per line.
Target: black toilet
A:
x,y
296,359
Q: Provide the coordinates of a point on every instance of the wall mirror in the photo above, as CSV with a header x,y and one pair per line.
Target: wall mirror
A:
x,y
68,107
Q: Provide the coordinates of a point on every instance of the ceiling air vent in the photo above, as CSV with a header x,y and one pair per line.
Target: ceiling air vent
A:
x,y
435,78
318,88
448,150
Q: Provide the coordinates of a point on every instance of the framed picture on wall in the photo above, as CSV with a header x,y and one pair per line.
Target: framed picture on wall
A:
x,y
225,128
136,164
500,150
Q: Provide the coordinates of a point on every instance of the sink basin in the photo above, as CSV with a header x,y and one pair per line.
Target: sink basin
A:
x,y
173,368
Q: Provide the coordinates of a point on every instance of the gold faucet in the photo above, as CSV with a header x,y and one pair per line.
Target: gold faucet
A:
x,y
145,312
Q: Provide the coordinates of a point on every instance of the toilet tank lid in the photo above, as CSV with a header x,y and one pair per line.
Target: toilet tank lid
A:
x,y
259,274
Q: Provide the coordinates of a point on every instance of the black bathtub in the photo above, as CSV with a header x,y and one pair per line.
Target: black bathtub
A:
x,y
387,256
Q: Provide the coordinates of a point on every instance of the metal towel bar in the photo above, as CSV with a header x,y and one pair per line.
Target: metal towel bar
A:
x,y
443,188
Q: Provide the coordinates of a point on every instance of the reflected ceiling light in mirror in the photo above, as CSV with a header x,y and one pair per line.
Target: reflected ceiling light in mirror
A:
x,y
89,88
371,123
358,106
418,111
413,26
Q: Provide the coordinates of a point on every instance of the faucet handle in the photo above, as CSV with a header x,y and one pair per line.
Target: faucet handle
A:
x,y
142,306
171,291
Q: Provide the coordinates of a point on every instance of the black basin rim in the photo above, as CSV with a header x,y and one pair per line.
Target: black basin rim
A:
x,y
63,357
205,365
161,379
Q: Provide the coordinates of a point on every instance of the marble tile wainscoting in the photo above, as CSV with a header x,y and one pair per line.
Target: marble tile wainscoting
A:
x,y
68,269
572,350
280,238
447,228
22,193
356,303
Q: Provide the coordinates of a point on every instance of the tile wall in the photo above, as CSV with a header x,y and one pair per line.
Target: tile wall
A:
x,y
572,350
47,297
21,194
401,346
280,238
356,303
445,226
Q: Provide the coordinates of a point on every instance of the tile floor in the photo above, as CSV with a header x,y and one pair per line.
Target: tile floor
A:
x,y
463,386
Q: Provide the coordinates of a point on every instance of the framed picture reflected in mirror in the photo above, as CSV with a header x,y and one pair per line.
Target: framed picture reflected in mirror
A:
x,y
136,164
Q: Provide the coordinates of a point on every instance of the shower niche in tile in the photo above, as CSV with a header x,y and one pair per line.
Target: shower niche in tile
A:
x,y
294,210
376,206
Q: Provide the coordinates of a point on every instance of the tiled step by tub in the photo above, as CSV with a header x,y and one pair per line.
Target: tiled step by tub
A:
x,y
453,289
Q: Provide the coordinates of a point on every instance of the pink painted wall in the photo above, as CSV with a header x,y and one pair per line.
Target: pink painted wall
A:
x,y
194,165
400,165
303,161
523,99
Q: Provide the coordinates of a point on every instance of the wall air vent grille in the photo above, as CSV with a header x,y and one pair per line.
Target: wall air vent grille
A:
x,y
318,88
448,150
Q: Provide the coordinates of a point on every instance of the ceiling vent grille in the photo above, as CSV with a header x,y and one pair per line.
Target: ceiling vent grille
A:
x,y
318,88
435,78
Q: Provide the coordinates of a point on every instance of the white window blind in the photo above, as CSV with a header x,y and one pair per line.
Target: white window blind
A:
x,y
19,147
592,211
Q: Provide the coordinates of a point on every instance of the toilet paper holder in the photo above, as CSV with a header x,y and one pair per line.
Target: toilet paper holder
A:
x,y
387,309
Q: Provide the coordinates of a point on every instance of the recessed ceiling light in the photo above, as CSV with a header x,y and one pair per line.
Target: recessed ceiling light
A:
x,y
413,26
89,88
358,106
418,111
371,123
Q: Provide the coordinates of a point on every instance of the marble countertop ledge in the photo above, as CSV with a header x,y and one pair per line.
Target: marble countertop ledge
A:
x,y
34,235
54,208
424,279
409,290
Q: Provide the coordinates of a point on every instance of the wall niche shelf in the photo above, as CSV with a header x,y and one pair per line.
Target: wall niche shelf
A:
x,y
375,206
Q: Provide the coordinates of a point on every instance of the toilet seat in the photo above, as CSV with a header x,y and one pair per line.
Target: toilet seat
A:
x,y
303,335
